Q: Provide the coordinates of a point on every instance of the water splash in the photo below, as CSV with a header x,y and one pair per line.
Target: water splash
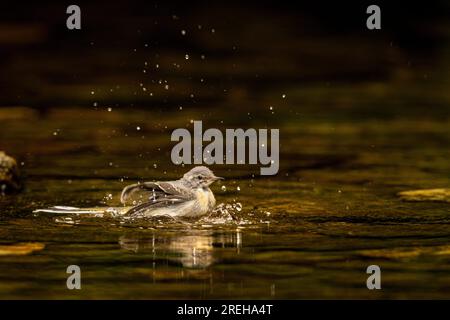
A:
x,y
225,214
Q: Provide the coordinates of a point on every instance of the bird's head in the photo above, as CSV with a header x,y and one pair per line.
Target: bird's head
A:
x,y
200,177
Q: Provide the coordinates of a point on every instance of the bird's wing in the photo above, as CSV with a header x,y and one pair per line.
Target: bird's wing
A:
x,y
162,202
154,191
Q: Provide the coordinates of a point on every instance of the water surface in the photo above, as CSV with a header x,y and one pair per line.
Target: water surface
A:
x,y
309,232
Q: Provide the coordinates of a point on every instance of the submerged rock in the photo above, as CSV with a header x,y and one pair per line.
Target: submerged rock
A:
x,y
441,195
9,174
20,249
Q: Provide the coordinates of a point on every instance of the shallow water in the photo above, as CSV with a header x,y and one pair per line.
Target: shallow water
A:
x,y
309,232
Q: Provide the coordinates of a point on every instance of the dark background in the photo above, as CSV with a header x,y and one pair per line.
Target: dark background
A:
x,y
255,45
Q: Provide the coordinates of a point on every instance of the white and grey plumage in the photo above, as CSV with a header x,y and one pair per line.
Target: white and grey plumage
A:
x,y
189,196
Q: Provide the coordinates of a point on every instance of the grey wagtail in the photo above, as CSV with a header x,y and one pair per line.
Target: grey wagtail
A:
x,y
189,196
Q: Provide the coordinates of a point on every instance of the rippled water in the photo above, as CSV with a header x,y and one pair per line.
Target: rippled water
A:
x,y
309,232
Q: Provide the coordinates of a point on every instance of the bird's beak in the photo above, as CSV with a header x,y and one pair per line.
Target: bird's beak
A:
x,y
218,178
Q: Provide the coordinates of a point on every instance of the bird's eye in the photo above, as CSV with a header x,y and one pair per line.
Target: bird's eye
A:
x,y
199,177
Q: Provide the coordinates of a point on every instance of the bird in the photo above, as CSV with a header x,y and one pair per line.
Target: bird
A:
x,y
188,197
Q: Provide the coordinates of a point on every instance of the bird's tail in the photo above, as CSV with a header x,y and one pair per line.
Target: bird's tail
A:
x,y
88,211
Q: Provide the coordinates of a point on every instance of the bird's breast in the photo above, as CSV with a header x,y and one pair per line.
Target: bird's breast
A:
x,y
205,199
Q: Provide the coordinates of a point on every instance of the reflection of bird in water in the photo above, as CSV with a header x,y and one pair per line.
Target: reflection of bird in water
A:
x,y
189,196
192,250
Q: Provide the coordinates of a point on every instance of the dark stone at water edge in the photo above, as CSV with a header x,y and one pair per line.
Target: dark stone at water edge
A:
x,y
9,175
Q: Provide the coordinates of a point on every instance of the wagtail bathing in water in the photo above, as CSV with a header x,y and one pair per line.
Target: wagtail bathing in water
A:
x,y
189,196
